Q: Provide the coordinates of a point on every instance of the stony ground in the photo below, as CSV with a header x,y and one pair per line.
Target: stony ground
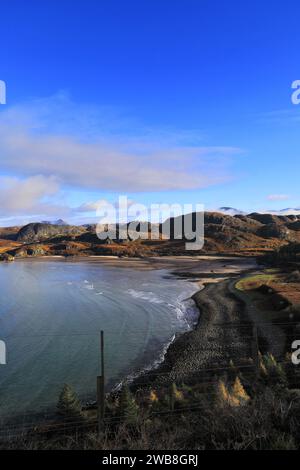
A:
x,y
222,335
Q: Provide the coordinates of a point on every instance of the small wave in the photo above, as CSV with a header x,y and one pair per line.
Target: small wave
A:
x,y
89,286
150,367
149,296
186,311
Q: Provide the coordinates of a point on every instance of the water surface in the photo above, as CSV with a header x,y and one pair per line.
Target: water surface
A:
x,y
51,313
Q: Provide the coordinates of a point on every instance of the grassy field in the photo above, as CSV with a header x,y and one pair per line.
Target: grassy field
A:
x,y
271,293
254,282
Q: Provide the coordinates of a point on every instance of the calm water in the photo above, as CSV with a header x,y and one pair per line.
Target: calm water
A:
x,y
51,313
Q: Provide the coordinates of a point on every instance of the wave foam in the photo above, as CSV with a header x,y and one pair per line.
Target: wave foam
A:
x,y
149,296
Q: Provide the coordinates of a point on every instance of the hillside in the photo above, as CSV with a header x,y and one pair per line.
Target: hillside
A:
x,y
245,234
45,231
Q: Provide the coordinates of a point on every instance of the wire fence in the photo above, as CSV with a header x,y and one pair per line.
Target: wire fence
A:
x,y
45,422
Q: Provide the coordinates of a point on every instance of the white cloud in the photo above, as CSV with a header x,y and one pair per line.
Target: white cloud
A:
x,y
22,196
104,167
94,206
31,143
50,145
278,197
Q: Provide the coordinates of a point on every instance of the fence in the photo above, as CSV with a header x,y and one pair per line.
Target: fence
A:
x,y
27,425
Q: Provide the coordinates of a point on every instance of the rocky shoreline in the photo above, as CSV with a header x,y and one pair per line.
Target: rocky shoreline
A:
x,y
221,336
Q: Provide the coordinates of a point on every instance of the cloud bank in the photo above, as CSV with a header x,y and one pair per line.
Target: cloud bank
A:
x,y
52,144
278,197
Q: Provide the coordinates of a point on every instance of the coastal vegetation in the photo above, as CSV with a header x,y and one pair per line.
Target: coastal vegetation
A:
x,y
274,292
234,411
68,405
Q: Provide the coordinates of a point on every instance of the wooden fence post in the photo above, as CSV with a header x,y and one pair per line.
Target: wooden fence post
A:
x,y
100,387
255,350
171,397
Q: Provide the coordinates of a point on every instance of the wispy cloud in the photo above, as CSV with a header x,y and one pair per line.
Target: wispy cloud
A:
x,y
278,197
23,196
94,206
281,116
54,143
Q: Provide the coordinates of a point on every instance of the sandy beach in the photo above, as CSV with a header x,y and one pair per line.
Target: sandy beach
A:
x,y
202,269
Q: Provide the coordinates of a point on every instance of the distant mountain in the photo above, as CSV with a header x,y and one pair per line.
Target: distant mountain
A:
x,y
231,211
234,211
288,211
60,222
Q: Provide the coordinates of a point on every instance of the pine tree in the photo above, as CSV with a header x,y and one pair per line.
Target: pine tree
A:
x,y
224,397
68,404
153,398
175,395
273,372
128,408
239,392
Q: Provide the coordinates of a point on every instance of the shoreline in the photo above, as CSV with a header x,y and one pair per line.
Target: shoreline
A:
x,y
185,267
173,368
203,270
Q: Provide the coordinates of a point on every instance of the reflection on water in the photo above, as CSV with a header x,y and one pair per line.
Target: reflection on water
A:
x,y
51,313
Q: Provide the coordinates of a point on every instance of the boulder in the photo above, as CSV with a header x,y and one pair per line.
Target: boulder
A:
x,y
6,257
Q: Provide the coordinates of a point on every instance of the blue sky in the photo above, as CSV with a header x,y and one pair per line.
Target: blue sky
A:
x,y
165,101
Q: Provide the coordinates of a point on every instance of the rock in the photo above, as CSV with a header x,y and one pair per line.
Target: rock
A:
x,y
274,231
40,232
6,257
36,251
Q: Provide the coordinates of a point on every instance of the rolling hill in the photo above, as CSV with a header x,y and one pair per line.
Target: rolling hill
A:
x,y
254,233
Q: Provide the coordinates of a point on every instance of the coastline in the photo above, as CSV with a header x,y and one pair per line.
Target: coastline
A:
x,y
203,346
199,267
204,271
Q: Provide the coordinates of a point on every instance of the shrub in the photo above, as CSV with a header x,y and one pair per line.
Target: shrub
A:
x,y
68,404
239,392
128,409
224,396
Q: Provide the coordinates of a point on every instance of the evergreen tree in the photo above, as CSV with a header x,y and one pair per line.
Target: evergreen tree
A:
x,y
68,404
175,395
239,392
272,372
128,408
